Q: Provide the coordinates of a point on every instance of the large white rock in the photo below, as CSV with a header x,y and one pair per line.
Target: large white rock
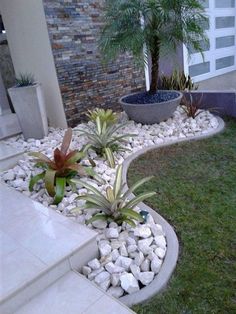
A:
x,y
86,270
156,265
132,248
116,244
105,284
160,252
124,262
129,283
94,264
142,231
115,279
104,248
99,224
101,277
10,175
156,229
112,233
123,250
112,268
144,245
116,292
145,266
139,258
146,277
94,273
135,270
160,241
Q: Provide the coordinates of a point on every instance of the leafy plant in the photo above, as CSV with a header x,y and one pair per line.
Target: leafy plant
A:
x,y
25,79
108,116
58,172
115,205
191,106
177,81
159,26
104,140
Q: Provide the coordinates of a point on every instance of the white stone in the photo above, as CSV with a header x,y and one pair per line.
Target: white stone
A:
x,y
160,252
144,245
145,266
112,268
135,270
115,254
116,292
146,277
129,283
130,241
116,244
86,270
101,277
132,248
156,265
105,284
115,279
112,233
123,250
124,262
160,241
142,231
94,264
94,273
139,258
100,224
104,249
10,175
156,229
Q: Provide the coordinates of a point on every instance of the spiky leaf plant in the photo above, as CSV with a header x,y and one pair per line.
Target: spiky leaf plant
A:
x,y
115,205
177,81
158,25
25,79
105,115
104,140
58,172
192,107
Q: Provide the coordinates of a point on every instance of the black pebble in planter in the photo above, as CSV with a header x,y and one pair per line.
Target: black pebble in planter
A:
x,y
148,108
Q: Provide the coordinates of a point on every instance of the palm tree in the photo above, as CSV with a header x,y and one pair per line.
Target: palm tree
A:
x,y
166,24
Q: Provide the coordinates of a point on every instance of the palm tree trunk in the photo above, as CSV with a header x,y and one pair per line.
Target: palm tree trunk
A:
x,y
155,69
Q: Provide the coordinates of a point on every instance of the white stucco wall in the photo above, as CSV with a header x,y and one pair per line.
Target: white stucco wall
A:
x,y
30,48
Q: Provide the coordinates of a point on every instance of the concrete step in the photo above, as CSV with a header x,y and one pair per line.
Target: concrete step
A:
x,y
9,156
9,125
38,246
73,294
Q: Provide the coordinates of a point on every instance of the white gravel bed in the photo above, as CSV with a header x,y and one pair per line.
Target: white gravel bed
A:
x,y
129,257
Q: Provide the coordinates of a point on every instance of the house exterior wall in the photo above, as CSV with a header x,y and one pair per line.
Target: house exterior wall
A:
x,y
85,82
30,49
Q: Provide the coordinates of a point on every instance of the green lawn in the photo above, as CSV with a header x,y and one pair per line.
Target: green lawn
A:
x,y
196,192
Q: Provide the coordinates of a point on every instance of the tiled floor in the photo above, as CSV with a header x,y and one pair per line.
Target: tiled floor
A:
x,y
32,238
73,294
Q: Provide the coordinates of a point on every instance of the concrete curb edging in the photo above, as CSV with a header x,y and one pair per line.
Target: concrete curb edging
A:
x,y
170,261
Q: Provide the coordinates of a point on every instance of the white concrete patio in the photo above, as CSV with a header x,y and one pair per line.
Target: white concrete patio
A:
x,y
40,253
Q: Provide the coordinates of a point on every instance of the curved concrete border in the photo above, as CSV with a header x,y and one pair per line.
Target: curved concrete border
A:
x,y
169,264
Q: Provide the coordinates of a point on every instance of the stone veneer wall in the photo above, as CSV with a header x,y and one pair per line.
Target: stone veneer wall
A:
x,y
85,83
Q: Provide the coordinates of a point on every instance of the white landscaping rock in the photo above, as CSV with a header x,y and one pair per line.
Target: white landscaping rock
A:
x,y
156,265
129,283
145,266
142,231
116,292
160,252
94,264
144,245
101,277
146,277
104,249
160,241
112,268
124,262
112,233
86,270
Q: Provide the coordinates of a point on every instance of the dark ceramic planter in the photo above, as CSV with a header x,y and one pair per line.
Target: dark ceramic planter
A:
x,y
150,113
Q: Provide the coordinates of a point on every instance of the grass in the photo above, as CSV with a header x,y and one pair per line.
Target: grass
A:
x,y
196,193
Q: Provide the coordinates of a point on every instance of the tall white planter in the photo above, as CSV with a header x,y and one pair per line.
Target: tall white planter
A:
x,y
28,102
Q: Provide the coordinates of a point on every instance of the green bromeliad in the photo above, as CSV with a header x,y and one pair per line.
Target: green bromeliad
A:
x,y
58,172
104,140
115,205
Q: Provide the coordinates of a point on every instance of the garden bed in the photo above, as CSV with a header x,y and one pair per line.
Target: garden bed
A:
x,y
130,258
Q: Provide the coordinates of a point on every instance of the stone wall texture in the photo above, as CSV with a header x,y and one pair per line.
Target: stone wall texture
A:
x,y
85,82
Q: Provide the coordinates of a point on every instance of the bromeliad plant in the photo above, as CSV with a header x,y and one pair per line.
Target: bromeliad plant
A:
x,y
104,140
115,205
58,172
108,116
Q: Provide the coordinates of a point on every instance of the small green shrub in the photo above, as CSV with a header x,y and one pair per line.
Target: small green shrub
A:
x,y
177,81
115,205
58,172
25,79
104,140
108,116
